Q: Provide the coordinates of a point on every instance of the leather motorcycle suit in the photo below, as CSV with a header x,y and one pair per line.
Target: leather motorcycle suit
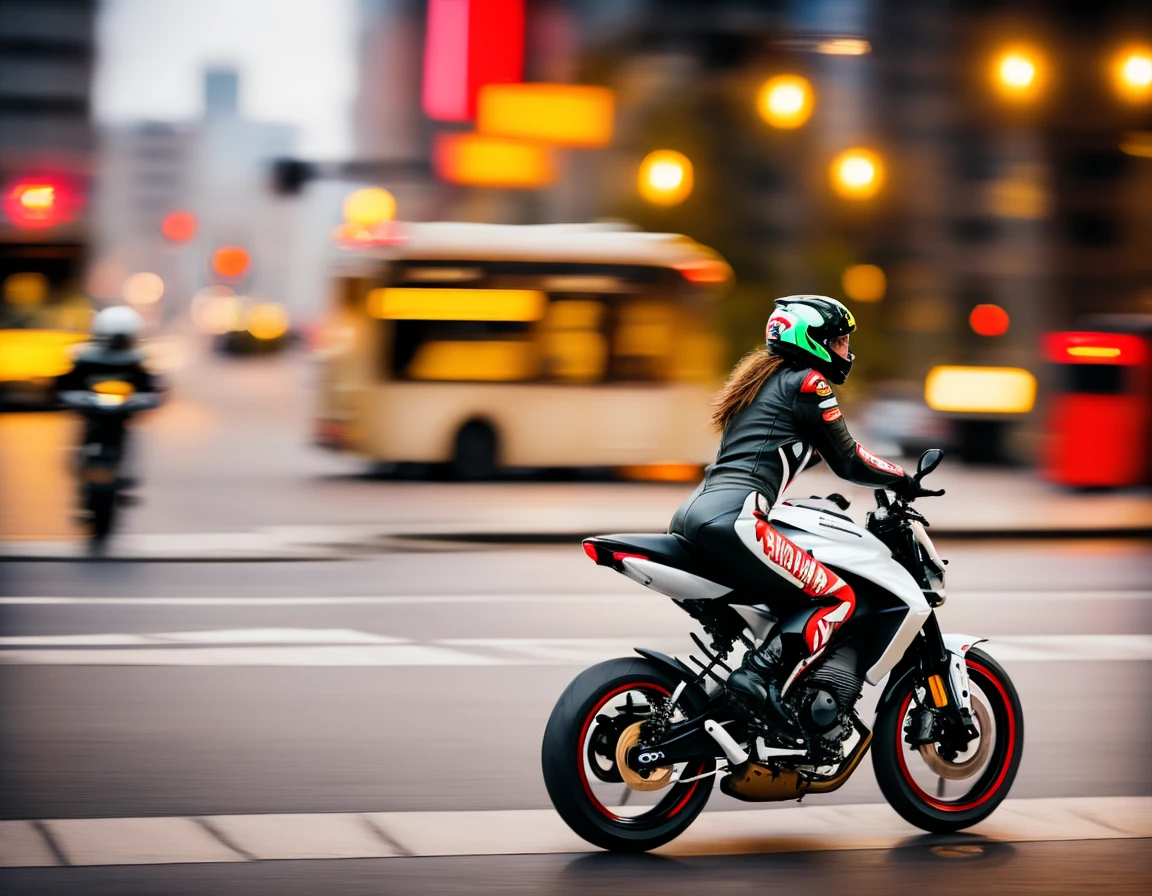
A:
x,y
793,422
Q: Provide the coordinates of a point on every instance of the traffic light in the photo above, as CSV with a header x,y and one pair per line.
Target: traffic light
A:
x,y
33,203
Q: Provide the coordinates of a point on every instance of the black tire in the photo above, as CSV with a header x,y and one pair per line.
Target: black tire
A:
x,y
474,456
102,507
564,758
891,755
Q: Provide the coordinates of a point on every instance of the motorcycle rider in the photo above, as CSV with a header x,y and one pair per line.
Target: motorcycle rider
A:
x,y
778,415
113,354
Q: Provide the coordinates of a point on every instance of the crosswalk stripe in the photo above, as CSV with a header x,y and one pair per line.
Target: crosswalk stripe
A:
x,y
635,594
384,835
346,647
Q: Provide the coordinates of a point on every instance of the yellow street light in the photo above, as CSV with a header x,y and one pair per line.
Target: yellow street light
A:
x,y
785,101
267,320
1133,73
864,283
665,177
1018,73
369,207
857,174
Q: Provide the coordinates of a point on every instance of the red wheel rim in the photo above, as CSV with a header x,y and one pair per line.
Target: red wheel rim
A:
x,y
589,719
1004,765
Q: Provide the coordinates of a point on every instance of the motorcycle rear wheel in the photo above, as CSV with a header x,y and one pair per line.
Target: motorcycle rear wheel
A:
x,y
101,501
900,769
569,748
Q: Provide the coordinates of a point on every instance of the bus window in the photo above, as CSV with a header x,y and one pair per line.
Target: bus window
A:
x,y
573,343
461,350
642,340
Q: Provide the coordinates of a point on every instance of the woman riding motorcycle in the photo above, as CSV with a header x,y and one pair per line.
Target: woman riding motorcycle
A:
x,y
778,415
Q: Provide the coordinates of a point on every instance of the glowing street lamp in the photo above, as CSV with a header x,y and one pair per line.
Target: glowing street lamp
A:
x,y
857,174
785,101
369,207
665,177
1133,74
1017,74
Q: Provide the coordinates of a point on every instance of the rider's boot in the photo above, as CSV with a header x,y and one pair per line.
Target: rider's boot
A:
x,y
768,674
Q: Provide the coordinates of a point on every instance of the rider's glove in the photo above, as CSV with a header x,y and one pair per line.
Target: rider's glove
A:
x,y
905,488
909,487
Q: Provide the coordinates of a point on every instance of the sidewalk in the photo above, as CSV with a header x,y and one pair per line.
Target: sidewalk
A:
x,y
390,516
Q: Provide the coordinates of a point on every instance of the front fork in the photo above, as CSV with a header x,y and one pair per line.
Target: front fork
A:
x,y
945,716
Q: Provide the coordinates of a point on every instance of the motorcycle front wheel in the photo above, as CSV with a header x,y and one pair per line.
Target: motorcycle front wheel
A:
x,y
942,793
579,759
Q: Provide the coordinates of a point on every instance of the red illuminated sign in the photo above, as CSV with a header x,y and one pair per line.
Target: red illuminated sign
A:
x,y
470,43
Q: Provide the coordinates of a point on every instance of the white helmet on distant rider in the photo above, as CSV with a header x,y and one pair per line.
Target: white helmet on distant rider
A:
x,y
117,327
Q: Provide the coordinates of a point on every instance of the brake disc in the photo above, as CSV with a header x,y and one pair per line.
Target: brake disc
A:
x,y
657,777
967,767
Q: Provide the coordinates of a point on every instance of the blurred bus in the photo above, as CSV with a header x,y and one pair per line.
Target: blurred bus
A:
x,y
487,346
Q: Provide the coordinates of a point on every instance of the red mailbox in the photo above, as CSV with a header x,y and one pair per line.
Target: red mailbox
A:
x,y
1100,419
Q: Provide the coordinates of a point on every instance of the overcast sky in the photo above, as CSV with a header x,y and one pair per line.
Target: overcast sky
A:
x,y
296,58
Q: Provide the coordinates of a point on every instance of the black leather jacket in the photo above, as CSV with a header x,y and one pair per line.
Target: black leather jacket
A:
x,y
793,422
95,363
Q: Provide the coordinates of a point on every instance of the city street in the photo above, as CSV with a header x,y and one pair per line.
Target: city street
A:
x,y
279,703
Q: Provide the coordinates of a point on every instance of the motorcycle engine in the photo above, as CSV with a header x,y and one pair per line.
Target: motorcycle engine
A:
x,y
830,692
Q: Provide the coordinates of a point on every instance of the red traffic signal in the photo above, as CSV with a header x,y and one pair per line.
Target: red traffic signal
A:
x,y
40,202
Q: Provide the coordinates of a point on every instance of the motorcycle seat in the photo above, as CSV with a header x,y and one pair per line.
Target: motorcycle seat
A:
x,y
669,550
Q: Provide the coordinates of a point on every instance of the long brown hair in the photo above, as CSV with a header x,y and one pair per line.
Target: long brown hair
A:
x,y
742,385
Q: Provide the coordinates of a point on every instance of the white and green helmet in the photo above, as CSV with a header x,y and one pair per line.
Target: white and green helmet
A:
x,y
801,329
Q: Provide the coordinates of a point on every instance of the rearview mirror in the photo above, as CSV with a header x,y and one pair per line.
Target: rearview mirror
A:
x,y
929,461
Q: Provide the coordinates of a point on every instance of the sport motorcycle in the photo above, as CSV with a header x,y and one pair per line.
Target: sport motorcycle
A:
x,y
634,745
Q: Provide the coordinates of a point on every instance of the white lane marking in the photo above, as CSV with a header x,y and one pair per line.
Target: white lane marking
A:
x,y
335,600
219,636
304,647
109,841
592,597
366,655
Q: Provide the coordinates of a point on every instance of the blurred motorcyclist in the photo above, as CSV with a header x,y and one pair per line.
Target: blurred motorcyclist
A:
x,y
112,355
778,415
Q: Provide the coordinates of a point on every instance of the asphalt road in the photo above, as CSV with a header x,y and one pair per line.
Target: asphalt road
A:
x,y
422,681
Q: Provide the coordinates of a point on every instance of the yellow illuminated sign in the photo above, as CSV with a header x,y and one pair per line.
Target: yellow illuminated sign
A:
x,y
479,160
558,114
981,390
457,304
1093,351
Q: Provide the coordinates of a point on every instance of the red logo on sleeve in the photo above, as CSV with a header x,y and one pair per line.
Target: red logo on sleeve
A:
x,y
831,414
815,382
878,463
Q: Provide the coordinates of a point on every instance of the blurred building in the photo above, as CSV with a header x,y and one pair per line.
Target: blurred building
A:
x,y
46,155
214,169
